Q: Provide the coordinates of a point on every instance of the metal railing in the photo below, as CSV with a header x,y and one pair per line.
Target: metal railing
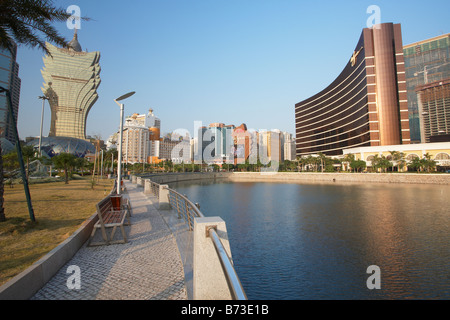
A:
x,y
154,187
188,211
184,207
234,284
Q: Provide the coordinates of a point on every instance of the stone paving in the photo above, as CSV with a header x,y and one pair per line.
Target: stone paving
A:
x,y
148,267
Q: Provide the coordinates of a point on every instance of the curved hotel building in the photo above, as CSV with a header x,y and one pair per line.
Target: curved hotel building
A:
x,y
365,106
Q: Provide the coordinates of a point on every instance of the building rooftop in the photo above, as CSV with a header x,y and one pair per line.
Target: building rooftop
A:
x,y
74,44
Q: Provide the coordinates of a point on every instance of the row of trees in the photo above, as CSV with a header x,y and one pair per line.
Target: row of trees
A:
x,y
65,161
395,159
319,163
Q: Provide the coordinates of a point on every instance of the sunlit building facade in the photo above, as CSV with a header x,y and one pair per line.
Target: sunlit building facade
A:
x,y
216,143
135,143
288,147
71,79
427,67
365,106
434,109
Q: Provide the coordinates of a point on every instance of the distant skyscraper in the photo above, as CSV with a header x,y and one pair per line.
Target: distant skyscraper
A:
x,y
289,147
427,64
434,111
270,145
153,123
216,143
9,79
141,139
242,144
71,78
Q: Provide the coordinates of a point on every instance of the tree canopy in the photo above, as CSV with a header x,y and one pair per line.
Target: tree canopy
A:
x,y
29,22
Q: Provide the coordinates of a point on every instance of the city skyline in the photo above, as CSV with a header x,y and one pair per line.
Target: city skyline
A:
x,y
215,62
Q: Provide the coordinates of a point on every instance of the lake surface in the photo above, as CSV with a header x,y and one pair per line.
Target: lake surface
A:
x,y
315,241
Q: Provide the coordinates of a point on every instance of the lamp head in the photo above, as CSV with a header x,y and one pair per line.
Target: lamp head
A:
x,y
127,95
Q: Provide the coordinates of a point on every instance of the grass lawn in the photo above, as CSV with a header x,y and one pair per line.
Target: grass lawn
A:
x,y
59,210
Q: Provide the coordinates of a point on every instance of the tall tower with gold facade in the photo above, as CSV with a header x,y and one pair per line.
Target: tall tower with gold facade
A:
x,y
71,78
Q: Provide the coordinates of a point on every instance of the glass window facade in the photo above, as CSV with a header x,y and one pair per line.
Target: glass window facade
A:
x,y
9,79
53,146
426,62
348,113
71,80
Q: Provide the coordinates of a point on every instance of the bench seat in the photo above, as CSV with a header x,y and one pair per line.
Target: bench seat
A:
x,y
110,217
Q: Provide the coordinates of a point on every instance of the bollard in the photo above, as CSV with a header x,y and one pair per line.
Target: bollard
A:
x,y
209,279
147,186
164,203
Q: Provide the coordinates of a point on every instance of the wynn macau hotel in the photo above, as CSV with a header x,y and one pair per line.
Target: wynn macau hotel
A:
x,y
365,106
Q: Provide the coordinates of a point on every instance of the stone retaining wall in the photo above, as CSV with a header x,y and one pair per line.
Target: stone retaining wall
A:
x,y
307,177
342,177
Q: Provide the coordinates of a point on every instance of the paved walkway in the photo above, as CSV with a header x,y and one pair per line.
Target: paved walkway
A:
x,y
148,267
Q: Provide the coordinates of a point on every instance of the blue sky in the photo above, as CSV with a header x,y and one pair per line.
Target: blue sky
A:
x,y
230,61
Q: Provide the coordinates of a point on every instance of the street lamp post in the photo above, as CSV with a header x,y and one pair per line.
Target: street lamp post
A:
x,y
119,165
43,98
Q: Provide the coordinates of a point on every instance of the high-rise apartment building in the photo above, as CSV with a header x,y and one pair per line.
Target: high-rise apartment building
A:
x,y
427,67
9,79
215,143
142,141
136,143
365,106
288,147
270,146
434,110
71,78
243,144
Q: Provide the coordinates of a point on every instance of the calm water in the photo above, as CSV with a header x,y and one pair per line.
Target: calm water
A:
x,y
316,241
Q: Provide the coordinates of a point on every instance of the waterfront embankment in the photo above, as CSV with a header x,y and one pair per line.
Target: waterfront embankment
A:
x,y
306,177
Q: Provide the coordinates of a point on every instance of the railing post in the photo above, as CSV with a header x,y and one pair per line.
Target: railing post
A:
x,y
178,206
164,203
188,215
209,279
147,186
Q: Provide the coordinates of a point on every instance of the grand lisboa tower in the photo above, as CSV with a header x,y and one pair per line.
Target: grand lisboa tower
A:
x,y
71,78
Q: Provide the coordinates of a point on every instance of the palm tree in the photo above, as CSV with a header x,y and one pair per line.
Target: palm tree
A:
x,y
427,162
376,162
398,158
348,159
323,161
28,154
415,164
25,22
64,161
2,209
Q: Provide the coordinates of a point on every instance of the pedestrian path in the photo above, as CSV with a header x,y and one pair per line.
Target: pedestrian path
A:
x,y
148,267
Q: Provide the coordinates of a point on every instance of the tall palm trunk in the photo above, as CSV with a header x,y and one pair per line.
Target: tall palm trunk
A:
x,y
2,210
